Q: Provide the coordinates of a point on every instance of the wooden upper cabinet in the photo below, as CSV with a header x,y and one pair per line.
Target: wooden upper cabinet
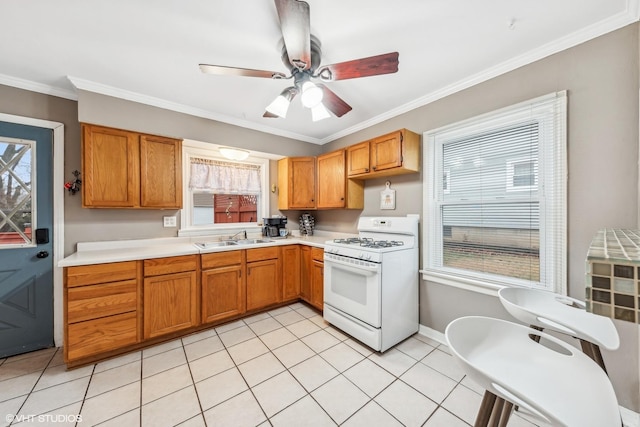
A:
x,y
393,154
386,152
123,169
160,172
358,159
110,168
297,183
334,190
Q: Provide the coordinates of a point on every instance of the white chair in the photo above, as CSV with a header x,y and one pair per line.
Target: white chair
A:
x,y
549,378
543,309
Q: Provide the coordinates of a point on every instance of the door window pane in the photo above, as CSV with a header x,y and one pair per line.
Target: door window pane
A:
x,y
16,203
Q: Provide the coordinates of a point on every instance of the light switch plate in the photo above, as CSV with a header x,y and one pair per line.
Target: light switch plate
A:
x,y
169,221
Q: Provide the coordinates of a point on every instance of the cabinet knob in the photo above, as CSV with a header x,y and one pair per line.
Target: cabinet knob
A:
x,y
366,170
374,168
341,198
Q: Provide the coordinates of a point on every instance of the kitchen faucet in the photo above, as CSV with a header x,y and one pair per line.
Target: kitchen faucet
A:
x,y
244,232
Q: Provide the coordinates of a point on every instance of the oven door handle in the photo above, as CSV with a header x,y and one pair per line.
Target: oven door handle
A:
x,y
345,265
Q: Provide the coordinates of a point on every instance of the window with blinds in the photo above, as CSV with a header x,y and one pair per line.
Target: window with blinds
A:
x,y
496,198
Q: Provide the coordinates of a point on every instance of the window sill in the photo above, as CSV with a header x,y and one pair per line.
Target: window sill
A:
x,y
219,230
473,285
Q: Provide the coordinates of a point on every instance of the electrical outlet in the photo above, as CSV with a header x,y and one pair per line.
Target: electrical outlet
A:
x,y
169,221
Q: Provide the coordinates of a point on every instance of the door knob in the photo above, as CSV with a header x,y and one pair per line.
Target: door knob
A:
x,y
42,254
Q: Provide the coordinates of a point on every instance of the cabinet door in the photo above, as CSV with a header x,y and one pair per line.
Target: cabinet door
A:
x,y
222,293
296,179
386,152
264,285
100,335
317,284
110,167
305,273
169,303
160,172
358,159
331,180
290,272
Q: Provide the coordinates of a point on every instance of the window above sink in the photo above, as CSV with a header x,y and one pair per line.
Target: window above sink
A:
x,y
222,195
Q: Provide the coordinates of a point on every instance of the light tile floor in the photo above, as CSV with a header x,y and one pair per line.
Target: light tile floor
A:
x,y
286,367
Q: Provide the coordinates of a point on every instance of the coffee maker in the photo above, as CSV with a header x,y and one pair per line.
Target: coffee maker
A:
x,y
272,226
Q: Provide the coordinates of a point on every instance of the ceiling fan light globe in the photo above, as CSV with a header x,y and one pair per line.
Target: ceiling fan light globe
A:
x,y
311,95
279,106
319,112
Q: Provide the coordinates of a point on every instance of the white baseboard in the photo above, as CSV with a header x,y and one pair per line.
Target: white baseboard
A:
x,y
629,417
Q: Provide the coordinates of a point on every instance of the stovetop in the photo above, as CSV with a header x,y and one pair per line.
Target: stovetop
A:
x,y
367,242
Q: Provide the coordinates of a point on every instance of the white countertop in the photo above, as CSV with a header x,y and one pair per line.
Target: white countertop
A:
x,y
131,250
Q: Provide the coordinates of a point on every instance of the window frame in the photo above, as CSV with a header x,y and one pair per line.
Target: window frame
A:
x,y
191,149
511,174
551,184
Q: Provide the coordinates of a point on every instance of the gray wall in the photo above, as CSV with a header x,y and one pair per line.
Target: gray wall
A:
x,y
120,224
601,77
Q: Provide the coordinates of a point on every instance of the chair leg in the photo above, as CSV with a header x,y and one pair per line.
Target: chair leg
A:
x,y
507,409
597,356
496,412
536,338
486,407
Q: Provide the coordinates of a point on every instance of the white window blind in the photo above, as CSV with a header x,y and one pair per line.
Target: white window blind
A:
x,y
496,197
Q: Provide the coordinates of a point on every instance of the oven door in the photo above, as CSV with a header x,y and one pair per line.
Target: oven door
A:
x,y
353,287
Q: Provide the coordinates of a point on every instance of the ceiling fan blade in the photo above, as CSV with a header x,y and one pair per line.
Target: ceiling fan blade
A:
x,y
296,32
246,72
363,67
333,102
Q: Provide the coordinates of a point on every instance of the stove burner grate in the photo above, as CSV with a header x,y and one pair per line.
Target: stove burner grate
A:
x,y
367,242
375,244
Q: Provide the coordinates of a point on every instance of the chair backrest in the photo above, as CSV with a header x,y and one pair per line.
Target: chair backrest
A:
x,y
551,378
559,313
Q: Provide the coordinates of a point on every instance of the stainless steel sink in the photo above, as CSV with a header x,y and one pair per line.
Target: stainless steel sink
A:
x,y
207,245
252,241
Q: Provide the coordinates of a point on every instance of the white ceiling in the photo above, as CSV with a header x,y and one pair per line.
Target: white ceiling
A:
x,y
149,51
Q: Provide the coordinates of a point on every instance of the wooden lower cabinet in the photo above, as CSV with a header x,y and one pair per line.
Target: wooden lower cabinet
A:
x,y
101,308
305,273
317,278
312,276
223,286
101,335
264,278
115,307
290,256
170,299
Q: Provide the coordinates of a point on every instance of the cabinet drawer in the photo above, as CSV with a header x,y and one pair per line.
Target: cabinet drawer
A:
x,y
168,265
101,335
317,254
221,259
262,253
95,301
100,273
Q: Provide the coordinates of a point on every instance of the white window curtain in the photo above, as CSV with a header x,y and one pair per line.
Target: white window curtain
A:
x,y
224,177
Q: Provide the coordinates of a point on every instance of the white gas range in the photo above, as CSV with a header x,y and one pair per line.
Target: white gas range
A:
x,y
371,282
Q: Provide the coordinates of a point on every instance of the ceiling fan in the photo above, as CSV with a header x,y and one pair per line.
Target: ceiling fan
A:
x,y
301,54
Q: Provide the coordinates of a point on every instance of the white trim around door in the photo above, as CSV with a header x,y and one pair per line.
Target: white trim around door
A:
x,y
58,212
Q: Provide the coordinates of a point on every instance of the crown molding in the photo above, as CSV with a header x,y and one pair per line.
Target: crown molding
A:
x,y
629,16
37,87
103,89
